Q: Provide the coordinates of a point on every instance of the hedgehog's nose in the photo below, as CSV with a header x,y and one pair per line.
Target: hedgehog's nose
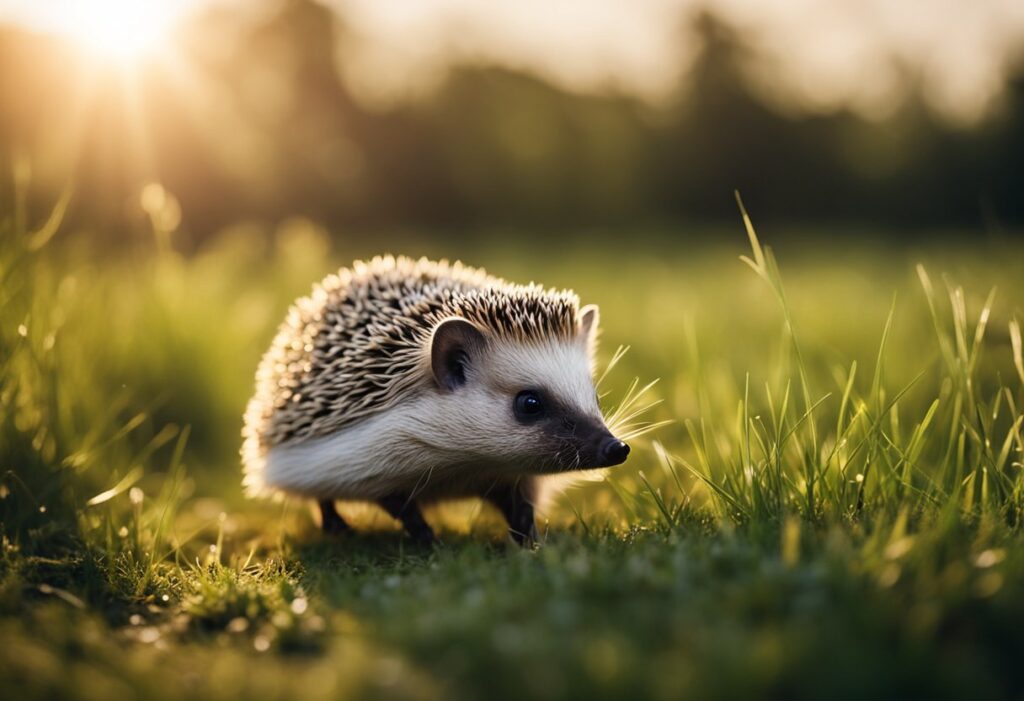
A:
x,y
614,452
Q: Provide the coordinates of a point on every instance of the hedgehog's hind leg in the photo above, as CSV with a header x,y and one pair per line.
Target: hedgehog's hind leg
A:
x,y
407,511
330,520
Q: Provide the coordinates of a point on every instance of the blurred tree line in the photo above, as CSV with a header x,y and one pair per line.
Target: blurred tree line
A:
x,y
261,127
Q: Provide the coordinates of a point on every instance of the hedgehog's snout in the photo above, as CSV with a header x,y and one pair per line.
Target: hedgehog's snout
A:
x,y
589,444
613,452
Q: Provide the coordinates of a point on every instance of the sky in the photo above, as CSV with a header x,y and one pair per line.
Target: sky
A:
x,y
808,55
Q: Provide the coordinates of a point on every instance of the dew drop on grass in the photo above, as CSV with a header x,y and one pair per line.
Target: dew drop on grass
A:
x,y
988,558
300,605
123,532
261,643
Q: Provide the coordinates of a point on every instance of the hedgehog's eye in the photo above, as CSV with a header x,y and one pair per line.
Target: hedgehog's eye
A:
x,y
528,406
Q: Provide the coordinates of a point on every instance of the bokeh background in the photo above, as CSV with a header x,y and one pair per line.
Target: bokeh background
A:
x,y
467,120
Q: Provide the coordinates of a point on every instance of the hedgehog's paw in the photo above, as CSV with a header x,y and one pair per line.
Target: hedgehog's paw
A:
x,y
526,537
407,511
330,520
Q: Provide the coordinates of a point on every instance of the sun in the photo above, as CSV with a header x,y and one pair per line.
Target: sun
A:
x,y
122,30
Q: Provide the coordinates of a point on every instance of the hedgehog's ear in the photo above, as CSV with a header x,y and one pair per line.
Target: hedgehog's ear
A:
x,y
455,345
589,316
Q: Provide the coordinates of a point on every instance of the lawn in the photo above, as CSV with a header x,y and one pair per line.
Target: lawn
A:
x,y
829,504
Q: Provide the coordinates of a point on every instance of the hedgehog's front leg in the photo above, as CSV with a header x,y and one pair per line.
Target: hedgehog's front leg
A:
x,y
406,510
330,520
518,511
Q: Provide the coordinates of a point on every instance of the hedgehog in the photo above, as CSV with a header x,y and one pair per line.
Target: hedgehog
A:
x,y
407,382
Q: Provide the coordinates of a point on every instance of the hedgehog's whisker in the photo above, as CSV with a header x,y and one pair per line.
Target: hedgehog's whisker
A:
x,y
633,396
616,357
622,419
421,483
643,428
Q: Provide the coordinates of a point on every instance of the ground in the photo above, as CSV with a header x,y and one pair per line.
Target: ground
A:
x,y
831,511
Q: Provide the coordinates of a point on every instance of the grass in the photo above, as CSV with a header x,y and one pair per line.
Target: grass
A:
x,y
833,508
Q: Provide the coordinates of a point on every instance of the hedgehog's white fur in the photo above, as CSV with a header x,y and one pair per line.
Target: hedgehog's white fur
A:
x,y
437,444
346,405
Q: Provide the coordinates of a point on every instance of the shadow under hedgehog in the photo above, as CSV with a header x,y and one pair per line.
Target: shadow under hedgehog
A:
x,y
405,382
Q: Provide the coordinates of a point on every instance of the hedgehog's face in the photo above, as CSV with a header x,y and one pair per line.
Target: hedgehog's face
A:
x,y
529,406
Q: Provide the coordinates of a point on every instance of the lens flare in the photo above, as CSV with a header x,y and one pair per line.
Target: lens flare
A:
x,y
122,30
